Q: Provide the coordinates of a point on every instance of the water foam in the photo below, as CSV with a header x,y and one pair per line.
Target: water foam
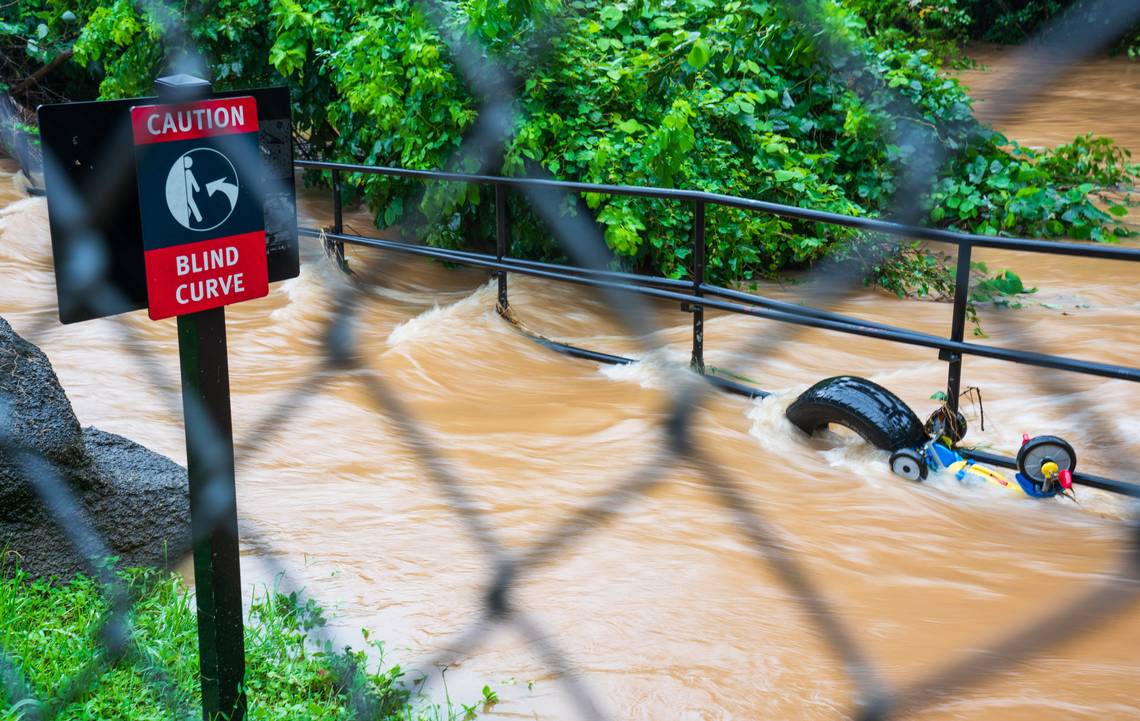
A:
x,y
658,370
304,295
446,322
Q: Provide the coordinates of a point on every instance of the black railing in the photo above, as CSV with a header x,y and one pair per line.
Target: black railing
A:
x,y
695,295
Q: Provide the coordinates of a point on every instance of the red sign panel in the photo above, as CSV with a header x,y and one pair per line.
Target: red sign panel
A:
x,y
202,220
164,123
206,274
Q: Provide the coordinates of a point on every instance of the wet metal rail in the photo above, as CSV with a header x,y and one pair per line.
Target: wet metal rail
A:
x,y
695,295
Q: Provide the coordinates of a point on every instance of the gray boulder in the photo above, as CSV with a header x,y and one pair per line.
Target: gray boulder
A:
x,y
36,415
135,501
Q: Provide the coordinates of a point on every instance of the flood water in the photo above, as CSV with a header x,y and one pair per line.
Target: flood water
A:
x,y
667,611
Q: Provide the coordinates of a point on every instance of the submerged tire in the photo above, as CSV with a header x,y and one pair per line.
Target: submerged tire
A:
x,y
876,414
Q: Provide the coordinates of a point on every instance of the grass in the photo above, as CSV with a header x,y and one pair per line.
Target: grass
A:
x,y
50,633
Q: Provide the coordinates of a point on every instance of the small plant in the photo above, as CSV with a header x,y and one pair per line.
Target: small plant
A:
x,y
53,630
1090,159
1001,288
490,698
913,270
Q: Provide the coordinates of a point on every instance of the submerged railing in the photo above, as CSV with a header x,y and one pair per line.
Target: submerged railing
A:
x,y
696,295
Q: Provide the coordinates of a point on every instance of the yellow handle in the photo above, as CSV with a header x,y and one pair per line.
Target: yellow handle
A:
x,y
1050,469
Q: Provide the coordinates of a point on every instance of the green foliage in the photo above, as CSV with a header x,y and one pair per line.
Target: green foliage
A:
x,y
51,631
944,25
998,288
1003,289
1089,159
939,26
1046,194
32,34
738,97
1018,21
913,270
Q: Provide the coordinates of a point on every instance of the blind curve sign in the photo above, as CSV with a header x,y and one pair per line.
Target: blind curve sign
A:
x,y
202,223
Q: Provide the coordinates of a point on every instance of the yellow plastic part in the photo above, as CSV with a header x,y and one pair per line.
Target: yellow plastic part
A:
x,y
987,474
1050,469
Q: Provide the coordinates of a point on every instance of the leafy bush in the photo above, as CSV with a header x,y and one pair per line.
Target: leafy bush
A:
x,y
736,97
939,26
51,631
1040,194
943,25
1017,21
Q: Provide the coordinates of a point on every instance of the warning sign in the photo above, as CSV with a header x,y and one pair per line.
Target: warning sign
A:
x,y
202,218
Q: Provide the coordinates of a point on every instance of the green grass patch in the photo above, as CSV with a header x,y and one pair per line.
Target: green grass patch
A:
x,y
52,634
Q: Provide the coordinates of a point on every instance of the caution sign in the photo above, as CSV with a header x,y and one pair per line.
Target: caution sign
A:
x,y
203,226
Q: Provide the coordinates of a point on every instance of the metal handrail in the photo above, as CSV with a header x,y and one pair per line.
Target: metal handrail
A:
x,y
695,295
871,225
842,324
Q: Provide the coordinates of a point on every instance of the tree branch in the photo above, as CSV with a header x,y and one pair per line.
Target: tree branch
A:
x,y
39,74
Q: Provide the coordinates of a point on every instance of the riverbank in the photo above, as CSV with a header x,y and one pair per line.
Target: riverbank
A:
x,y
290,673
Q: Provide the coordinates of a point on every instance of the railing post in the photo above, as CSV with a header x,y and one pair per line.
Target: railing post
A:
x,y
338,222
698,360
958,325
501,241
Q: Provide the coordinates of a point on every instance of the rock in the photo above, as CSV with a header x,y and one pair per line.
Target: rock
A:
x,y
35,414
144,511
135,500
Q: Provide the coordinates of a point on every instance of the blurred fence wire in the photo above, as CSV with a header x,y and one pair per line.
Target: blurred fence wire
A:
x,y
677,444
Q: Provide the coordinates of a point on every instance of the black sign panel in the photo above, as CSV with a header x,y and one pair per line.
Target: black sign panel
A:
x,y
93,200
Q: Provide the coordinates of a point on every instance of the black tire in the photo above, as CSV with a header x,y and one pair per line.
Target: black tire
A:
x,y
1038,450
876,414
909,464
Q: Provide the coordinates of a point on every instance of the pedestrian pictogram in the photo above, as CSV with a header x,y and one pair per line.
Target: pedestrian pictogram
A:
x,y
202,220
183,191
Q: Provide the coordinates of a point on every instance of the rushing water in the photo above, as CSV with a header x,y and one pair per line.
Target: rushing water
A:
x,y
667,610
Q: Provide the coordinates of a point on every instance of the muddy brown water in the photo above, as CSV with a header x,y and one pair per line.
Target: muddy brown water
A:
x,y
667,611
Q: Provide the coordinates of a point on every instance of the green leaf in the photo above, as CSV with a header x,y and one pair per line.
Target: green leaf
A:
x,y
698,55
611,16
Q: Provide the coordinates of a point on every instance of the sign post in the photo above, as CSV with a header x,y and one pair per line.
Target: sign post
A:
x,y
204,251
205,216
213,512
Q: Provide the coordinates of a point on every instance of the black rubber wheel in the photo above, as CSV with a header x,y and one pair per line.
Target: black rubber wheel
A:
x,y
1043,449
867,408
909,464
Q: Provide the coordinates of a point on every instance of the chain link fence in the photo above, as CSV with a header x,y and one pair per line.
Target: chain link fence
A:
x,y
509,569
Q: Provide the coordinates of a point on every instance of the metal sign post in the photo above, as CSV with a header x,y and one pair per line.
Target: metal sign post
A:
x,y
210,467
205,216
213,512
